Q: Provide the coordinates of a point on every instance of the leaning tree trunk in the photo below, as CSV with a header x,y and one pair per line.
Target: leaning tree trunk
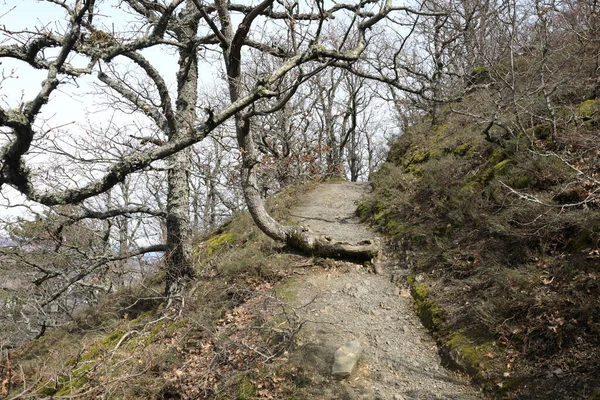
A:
x,y
295,236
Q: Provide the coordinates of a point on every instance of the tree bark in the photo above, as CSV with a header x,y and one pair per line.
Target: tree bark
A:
x,y
178,264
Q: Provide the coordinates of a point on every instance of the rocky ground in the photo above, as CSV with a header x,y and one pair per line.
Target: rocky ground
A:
x,y
343,301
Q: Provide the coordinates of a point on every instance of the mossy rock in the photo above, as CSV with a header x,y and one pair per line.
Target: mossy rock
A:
x,y
540,132
460,352
588,109
431,315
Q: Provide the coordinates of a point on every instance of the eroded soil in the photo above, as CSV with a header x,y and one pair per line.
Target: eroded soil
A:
x,y
343,301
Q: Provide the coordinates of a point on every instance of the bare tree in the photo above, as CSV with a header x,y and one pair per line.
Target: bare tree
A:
x,y
194,31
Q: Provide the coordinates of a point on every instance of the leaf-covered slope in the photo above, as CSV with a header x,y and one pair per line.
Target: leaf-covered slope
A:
x,y
218,340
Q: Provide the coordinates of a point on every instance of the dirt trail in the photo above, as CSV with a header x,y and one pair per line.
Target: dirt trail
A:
x,y
343,301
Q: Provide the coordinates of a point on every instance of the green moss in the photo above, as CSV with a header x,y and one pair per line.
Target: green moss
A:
x,y
175,326
103,345
486,176
216,242
395,229
431,315
70,385
497,155
363,210
463,149
472,186
246,390
154,332
66,385
440,131
418,156
142,317
380,217
519,182
541,132
588,109
501,167
465,354
48,389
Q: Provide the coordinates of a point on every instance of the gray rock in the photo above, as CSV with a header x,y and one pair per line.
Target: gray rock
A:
x,y
345,359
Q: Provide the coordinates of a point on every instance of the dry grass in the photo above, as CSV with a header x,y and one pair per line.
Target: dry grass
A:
x,y
509,237
223,338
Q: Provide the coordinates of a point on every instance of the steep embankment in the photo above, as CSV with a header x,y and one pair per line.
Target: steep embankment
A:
x,y
346,301
502,240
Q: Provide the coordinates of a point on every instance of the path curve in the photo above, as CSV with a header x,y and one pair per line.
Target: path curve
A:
x,y
343,301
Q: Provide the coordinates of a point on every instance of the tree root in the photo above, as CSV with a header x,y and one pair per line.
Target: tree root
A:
x,y
325,246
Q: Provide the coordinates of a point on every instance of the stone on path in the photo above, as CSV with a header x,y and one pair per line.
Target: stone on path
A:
x,y
345,359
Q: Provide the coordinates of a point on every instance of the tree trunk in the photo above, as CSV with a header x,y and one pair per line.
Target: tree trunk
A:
x,y
178,263
295,236
178,260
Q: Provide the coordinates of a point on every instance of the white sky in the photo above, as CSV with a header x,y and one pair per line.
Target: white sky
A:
x,y
73,102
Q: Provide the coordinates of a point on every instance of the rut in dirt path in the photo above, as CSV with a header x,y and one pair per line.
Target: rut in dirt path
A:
x,y
346,302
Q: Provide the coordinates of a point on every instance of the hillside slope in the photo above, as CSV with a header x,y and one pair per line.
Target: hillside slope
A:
x,y
261,322
217,341
501,237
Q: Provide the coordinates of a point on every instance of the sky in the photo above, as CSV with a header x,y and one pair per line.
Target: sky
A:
x,y
73,102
